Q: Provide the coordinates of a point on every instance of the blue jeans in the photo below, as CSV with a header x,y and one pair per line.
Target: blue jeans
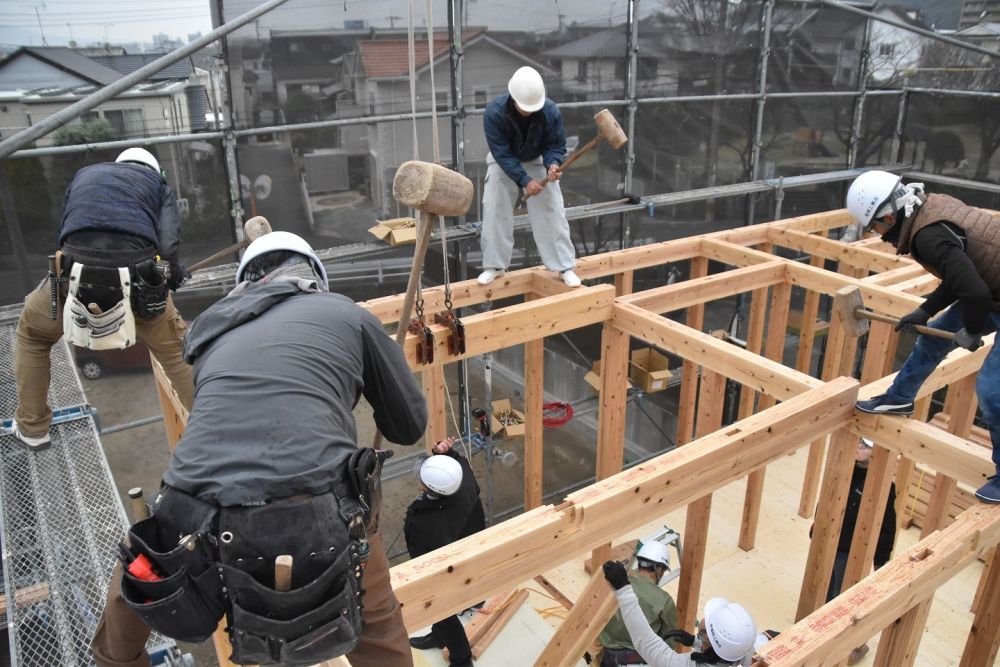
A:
x,y
928,353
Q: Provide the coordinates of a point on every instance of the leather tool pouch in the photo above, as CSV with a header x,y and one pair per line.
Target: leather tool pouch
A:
x,y
149,291
319,618
109,289
187,602
364,481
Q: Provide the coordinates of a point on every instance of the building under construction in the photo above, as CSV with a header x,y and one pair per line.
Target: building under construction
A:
x,y
702,358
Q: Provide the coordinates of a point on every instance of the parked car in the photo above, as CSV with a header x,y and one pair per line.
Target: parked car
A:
x,y
95,363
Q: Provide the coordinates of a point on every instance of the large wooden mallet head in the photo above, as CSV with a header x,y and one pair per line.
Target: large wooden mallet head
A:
x,y
432,188
848,306
609,129
255,227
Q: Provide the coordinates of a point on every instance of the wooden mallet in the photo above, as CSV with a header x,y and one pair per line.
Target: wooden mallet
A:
x,y
849,306
253,229
608,130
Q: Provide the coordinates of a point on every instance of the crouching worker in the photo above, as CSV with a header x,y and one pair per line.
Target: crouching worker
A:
x,y
726,636
105,286
269,466
447,510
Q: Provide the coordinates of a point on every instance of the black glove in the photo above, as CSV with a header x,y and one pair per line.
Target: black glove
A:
x,y
178,274
907,323
587,657
682,636
971,342
616,575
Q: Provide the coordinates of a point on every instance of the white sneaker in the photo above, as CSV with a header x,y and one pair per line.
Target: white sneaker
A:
x,y
570,278
488,276
33,444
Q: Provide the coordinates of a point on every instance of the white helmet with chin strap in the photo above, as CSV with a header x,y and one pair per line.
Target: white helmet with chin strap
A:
x,y
280,241
730,629
876,194
441,474
139,156
654,552
527,89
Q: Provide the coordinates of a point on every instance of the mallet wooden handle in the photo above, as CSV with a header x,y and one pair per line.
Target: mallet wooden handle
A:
x,y
571,159
283,573
215,257
878,317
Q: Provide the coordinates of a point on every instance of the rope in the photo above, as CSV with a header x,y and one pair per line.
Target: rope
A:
x,y
411,46
920,482
556,414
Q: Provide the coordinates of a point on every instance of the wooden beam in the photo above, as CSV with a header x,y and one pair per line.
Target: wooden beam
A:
x,y
551,589
592,611
890,278
501,618
711,405
690,371
450,579
827,635
882,299
669,298
817,246
829,518
803,364
465,293
517,324
960,406
175,415
534,398
624,283
984,638
817,222
757,373
899,642
432,379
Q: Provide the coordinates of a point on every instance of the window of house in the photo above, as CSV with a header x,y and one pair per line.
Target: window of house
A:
x,y
479,98
126,122
647,69
581,70
89,116
885,49
620,70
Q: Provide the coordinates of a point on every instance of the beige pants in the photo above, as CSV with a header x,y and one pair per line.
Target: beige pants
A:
x,y
121,635
37,332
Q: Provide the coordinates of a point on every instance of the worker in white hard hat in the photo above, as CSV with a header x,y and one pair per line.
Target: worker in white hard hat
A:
x,y
269,467
658,607
725,636
447,509
108,285
960,245
524,130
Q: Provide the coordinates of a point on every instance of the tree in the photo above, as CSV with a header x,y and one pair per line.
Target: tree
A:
x,y
91,132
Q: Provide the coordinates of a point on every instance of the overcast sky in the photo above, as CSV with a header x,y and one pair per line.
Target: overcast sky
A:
x,y
126,21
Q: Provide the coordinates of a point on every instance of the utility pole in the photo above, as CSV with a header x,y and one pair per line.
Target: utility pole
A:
x,y
392,21
38,17
71,40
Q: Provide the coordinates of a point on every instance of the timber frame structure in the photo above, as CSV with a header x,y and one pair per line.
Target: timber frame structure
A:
x,y
781,409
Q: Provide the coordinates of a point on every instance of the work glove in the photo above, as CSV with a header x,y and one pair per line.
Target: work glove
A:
x,y
616,575
682,636
907,323
178,274
970,342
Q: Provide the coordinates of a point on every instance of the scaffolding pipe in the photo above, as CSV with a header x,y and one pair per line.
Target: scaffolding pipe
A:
x,y
758,129
60,118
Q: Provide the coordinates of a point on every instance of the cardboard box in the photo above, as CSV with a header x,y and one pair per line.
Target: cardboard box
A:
x,y
507,431
795,323
396,231
649,370
593,377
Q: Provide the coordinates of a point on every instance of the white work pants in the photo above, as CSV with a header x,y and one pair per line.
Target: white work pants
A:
x,y
545,210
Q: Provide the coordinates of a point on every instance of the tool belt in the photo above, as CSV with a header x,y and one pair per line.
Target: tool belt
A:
x,y
611,657
221,560
106,291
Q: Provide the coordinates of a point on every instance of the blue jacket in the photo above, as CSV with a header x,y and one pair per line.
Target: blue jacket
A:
x,y
545,137
124,198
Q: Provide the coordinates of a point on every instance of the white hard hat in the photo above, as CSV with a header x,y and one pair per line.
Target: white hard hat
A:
x,y
527,89
730,629
872,195
441,474
655,552
280,241
141,156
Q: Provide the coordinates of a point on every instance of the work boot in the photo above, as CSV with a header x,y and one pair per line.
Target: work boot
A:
x,y
857,654
426,642
885,404
488,276
570,278
990,491
32,444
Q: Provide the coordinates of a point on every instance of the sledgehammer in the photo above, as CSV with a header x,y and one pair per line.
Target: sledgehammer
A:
x,y
253,229
608,130
849,306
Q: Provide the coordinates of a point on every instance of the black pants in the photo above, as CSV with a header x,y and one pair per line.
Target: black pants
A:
x,y
452,633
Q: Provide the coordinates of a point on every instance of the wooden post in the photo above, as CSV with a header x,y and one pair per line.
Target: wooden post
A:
x,y
829,518
591,612
774,349
623,283
897,647
689,376
906,468
611,419
175,415
711,403
984,638
534,397
432,379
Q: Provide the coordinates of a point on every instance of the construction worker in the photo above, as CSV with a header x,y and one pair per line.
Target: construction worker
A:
x,y
959,245
527,143
269,466
725,637
659,609
447,510
886,535
105,287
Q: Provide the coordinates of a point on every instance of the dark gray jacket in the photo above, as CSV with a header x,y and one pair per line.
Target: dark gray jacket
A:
x,y
277,372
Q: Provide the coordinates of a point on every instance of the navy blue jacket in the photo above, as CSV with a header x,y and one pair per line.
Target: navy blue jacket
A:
x,y
124,198
433,521
545,136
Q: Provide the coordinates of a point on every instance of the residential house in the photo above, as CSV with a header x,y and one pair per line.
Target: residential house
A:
x,y
894,53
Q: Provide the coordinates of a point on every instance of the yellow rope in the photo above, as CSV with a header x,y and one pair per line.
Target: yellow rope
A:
x,y
920,482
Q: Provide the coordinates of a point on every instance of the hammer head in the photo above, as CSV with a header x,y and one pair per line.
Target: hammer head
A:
x,y
432,188
609,129
846,302
255,227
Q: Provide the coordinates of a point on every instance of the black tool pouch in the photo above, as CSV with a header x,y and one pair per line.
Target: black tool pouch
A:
x,y
187,603
149,291
319,617
363,475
